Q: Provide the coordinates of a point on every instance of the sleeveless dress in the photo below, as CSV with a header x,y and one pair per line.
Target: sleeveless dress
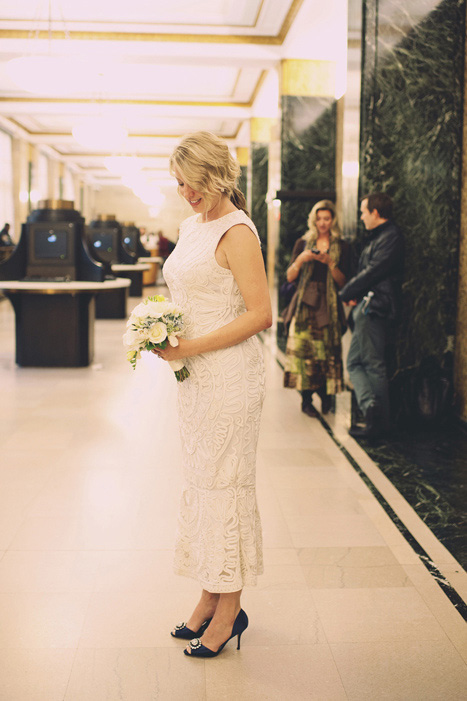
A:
x,y
219,540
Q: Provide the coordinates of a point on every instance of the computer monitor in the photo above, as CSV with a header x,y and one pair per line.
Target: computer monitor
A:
x,y
51,245
130,239
104,244
52,249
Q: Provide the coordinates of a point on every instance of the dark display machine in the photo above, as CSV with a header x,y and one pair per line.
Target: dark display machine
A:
x,y
53,247
132,240
105,237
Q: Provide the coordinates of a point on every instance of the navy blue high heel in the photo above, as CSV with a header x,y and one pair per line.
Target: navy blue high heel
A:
x,y
197,649
181,631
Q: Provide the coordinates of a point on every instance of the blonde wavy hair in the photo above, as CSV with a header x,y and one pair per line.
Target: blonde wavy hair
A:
x,y
208,167
312,232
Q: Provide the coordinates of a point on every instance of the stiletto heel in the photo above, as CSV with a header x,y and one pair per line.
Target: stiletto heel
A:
x,y
197,649
181,631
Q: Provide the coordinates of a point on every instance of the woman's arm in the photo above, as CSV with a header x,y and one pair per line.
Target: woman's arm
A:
x,y
239,251
299,257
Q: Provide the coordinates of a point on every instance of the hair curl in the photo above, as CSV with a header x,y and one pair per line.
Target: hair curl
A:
x,y
312,232
208,167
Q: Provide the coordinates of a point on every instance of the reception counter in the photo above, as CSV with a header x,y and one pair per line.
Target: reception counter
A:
x,y
55,320
151,275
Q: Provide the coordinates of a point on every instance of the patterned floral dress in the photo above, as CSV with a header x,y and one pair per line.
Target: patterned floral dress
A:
x,y
219,539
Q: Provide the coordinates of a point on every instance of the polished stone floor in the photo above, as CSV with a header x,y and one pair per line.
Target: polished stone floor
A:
x,y
89,482
429,467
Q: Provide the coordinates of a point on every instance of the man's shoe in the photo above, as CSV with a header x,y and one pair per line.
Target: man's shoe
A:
x,y
363,432
373,427
373,417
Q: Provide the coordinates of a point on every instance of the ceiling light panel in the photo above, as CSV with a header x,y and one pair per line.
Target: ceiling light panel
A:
x,y
206,13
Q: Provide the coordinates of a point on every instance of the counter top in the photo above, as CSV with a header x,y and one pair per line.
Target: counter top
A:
x,y
75,286
150,259
128,268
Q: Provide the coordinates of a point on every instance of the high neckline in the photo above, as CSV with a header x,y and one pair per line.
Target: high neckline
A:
x,y
211,221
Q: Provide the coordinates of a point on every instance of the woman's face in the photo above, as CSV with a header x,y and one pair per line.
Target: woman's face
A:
x,y
323,221
194,198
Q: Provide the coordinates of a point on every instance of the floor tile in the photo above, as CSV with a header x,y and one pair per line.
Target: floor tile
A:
x,y
281,618
365,615
419,670
330,568
38,620
274,673
48,571
138,674
35,674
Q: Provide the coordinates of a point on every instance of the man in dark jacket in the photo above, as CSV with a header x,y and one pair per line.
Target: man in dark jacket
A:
x,y
374,293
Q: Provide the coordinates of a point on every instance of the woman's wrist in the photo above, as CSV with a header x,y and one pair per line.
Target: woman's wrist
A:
x,y
295,266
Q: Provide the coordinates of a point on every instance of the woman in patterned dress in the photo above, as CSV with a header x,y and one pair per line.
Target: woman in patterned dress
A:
x,y
315,317
216,275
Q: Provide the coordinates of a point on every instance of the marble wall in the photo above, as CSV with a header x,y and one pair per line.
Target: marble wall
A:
x,y
411,136
243,181
259,189
308,170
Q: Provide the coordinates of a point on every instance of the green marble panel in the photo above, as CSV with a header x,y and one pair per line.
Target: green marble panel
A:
x,y
308,162
411,138
242,181
259,189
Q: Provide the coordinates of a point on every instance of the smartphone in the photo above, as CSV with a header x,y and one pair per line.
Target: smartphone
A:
x,y
316,251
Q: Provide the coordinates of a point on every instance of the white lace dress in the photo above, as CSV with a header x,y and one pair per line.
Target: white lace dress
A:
x,y
219,540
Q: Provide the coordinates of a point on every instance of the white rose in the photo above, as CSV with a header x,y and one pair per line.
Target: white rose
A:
x,y
132,339
157,332
173,340
141,310
154,309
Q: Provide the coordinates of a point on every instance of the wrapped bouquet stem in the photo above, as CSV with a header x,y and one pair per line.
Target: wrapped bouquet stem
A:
x,y
152,324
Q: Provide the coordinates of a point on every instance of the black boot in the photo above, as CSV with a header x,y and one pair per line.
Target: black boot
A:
x,y
373,426
326,400
307,403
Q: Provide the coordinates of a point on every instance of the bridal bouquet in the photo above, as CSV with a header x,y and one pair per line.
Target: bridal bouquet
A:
x,y
152,324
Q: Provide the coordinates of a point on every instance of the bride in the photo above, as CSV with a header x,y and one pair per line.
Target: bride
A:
x,y
216,275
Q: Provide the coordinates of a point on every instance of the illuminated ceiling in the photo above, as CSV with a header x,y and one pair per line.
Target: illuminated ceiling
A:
x,y
163,68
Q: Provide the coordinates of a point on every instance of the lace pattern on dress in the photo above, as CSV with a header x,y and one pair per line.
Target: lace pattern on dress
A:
x,y
219,540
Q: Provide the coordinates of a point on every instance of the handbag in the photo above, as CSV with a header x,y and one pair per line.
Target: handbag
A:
x,y
287,291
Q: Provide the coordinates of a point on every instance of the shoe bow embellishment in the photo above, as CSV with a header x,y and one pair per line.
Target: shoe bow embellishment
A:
x,y
195,643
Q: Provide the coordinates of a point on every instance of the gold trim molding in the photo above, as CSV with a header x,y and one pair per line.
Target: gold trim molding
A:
x,y
308,78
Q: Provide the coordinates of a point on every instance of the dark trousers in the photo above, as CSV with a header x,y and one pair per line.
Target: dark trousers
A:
x,y
366,362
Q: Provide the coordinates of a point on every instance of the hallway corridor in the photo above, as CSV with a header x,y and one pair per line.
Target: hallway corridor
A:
x,y
89,482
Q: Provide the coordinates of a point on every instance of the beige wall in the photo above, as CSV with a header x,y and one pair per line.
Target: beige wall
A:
x,y
122,202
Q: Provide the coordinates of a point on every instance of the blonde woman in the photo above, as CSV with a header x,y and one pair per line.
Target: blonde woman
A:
x,y
315,318
216,274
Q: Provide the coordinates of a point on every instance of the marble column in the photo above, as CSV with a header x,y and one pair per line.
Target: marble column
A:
x,y
243,158
260,137
308,150
460,366
411,137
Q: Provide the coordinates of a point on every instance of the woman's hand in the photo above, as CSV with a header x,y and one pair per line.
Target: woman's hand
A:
x,y
323,257
174,353
305,256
